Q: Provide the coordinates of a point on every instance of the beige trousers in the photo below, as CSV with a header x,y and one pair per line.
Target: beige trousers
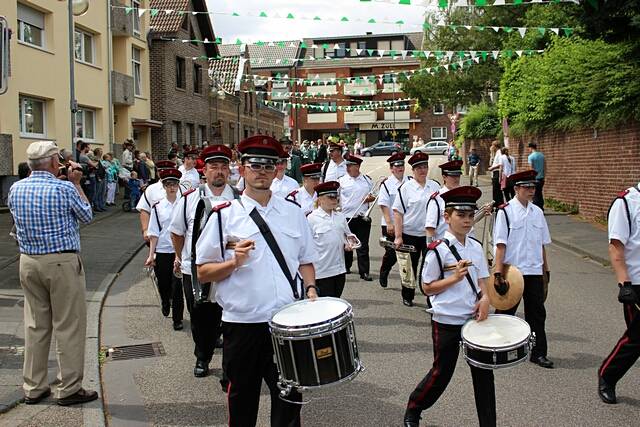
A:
x,y
54,301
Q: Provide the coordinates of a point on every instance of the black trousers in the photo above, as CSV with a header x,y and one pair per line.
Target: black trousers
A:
x,y
509,191
247,360
496,190
331,286
389,258
206,321
538,198
626,351
169,285
417,258
534,312
362,229
446,345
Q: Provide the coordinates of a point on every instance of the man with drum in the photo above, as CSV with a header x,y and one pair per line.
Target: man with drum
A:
x,y
305,196
456,295
205,315
251,285
409,209
388,191
355,196
520,234
624,251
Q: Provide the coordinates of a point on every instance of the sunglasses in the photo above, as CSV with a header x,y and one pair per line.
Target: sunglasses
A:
x,y
257,167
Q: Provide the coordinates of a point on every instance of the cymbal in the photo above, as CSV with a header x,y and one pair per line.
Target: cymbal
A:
x,y
513,276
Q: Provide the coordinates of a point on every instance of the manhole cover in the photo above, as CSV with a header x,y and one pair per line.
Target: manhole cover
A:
x,y
138,351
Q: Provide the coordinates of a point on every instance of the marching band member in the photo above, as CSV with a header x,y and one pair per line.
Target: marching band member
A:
x,y
355,196
152,195
520,234
190,176
250,283
335,167
454,300
205,315
409,217
329,229
305,196
388,192
161,252
624,251
282,184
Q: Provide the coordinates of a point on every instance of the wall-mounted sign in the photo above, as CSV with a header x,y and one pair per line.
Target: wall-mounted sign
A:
x,y
383,126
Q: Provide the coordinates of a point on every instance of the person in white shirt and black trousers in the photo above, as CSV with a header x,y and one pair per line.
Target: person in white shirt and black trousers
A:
x,y
520,234
355,196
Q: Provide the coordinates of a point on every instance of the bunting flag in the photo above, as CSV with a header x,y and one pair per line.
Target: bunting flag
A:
x,y
328,108
443,4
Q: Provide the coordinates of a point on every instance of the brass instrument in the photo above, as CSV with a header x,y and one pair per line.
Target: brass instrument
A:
x,y
385,243
354,242
375,192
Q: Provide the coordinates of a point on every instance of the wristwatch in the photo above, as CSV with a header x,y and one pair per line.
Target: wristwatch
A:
x,y
306,290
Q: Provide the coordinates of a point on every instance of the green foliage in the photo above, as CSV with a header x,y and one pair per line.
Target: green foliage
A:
x,y
558,206
481,121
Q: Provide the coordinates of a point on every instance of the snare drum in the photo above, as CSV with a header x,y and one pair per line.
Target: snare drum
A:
x,y
500,341
315,344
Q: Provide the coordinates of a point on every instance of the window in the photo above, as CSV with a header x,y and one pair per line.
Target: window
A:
x,y
85,124
461,109
189,134
136,65
30,25
358,45
341,51
180,77
197,78
201,133
439,133
438,109
32,117
383,45
175,132
387,78
83,46
318,52
397,45
135,4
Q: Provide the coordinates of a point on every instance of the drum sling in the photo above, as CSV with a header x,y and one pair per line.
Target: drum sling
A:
x,y
455,253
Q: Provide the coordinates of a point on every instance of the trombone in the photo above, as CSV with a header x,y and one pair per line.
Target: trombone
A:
x,y
375,192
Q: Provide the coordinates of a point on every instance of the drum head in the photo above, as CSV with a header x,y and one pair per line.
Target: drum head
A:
x,y
498,330
307,312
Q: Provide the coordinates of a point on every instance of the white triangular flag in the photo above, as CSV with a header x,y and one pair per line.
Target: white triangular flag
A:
x,y
449,54
359,51
522,31
381,52
473,53
194,13
555,30
495,54
462,3
519,52
468,27
498,3
404,54
496,29
427,53
336,46
168,11
141,12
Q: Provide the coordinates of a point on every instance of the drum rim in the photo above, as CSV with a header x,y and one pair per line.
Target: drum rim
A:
x,y
494,366
318,331
500,348
347,313
359,368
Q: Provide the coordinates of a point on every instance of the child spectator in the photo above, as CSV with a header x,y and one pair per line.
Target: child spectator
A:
x,y
134,185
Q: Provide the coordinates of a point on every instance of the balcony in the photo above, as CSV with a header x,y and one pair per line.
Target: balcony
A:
x,y
322,90
121,23
121,89
322,118
279,91
391,88
360,116
400,115
363,88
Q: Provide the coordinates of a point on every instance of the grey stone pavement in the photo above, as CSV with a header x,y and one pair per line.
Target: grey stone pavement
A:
x,y
584,322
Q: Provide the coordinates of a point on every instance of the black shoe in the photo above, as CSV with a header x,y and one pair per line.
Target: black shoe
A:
x,y
407,302
201,369
606,391
177,326
80,396
542,361
166,309
384,275
219,342
411,420
37,399
366,277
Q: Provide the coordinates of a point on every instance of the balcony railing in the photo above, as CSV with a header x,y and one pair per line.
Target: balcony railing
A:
x,y
364,88
121,89
366,116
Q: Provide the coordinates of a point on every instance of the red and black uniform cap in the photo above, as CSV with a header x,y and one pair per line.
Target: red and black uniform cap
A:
x,y
418,159
217,152
329,187
171,174
352,160
165,164
462,198
525,178
260,149
452,168
396,159
312,170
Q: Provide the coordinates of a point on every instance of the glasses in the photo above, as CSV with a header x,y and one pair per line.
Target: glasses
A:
x,y
257,167
331,196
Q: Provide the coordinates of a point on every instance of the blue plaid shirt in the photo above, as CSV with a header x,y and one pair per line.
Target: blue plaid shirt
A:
x,y
46,211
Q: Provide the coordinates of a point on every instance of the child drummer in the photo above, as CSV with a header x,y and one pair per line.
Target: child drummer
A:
x,y
454,300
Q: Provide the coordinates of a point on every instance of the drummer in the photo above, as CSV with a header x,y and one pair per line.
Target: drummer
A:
x,y
519,235
454,301
250,284
330,231
305,196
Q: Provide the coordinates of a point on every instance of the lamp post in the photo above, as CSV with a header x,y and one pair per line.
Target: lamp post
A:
x,y
75,8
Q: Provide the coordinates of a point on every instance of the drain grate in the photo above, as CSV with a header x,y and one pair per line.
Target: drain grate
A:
x,y
138,351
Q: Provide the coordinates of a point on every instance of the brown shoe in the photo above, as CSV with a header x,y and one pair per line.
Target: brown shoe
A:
x,y
80,396
37,399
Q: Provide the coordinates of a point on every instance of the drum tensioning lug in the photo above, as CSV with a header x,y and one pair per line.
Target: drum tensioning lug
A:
x,y
532,340
285,390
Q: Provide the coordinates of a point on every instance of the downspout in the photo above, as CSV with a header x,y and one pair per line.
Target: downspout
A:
x,y
109,74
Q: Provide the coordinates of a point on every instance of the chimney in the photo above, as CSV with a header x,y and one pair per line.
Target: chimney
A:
x,y
369,33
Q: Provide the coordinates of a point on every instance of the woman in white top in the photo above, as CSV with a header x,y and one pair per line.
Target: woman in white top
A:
x,y
507,168
330,231
161,252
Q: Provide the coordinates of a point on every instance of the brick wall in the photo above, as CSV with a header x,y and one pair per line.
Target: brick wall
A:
x,y
267,121
429,120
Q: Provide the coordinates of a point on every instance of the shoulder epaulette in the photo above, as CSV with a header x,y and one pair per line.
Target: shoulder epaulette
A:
x,y
504,205
431,246
623,193
293,193
409,177
221,206
434,195
189,191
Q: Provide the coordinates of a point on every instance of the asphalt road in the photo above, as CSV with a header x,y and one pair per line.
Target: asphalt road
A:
x,y
583,323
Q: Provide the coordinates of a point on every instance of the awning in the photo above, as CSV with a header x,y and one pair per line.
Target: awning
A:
x,y
146,123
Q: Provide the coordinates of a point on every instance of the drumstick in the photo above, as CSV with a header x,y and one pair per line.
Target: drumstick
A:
x,y
232,245
454,266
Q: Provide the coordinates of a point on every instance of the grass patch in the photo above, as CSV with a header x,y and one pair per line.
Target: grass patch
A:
x,y
559,206
102,355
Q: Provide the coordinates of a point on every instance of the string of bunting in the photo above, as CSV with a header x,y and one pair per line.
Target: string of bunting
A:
x,y
327,108
331,97
468,3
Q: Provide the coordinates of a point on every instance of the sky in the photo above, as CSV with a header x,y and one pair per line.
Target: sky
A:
x,y
252,29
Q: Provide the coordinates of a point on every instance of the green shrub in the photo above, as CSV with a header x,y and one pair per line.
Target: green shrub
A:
x,y
481,121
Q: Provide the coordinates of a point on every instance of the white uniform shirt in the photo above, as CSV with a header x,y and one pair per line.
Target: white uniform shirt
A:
x,y
352,192
435,213
455,305
335,171
162,212
304,199
256,290
411,202
526,235
630,238
282,187
179,227
152,195
508,165
388,192
329,233
190,178
497,158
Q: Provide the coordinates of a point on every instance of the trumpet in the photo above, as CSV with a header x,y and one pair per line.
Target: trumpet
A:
x,y
389,244
375,192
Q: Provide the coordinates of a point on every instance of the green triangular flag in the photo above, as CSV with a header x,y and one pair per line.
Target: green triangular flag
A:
x,y
262,15
481,3
344,19
567,31
278,76
325,45
480,28
317,18
218,40
426,26
507,29
542,30
392,52
400,22
405,2
235,14
443,3
154,12
303,45
127,10
371,21
517,1
260,43
280,44
370,52
290,16
238,41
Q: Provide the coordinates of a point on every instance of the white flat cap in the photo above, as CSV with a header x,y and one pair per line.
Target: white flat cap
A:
x,y
41,149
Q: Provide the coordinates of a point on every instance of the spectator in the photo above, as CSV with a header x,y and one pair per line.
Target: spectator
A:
x,y
46,211
293,162
101,181
151,166
127,155
89,172
473,160
357,146
415,142
23,170
321,157
494,167
140,166
537,162
135,186
111,178
507,168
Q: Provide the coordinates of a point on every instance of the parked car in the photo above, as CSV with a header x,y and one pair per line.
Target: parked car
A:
x,y
432,147
382,148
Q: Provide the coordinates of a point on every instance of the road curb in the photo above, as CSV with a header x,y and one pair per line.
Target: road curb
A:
x,y
573,248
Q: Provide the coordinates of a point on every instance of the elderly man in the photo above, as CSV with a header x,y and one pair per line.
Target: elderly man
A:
x,y
46,211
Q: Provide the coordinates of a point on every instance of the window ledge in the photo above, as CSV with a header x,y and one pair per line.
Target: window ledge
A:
x,y
89,64
35,137
35,46
140,97
179,89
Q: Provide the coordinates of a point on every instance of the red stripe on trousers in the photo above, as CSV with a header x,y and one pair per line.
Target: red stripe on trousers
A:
x,y
623,341
436,362
228,400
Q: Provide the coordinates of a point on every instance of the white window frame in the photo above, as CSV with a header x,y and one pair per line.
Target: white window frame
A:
x,y
187,134
135,4
175,133
199,135
440,111
83,36
22,24
443,132
461,109
22,119
137,77
84,137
